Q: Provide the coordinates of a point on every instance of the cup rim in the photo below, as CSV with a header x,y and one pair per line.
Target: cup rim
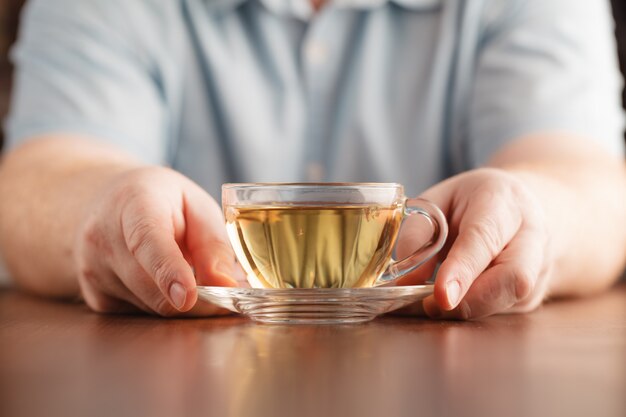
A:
x,y
329,185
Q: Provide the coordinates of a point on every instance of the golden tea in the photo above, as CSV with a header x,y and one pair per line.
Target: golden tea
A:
x,y
313,246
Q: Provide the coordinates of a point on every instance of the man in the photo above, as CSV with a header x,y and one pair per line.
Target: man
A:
x,y
505,113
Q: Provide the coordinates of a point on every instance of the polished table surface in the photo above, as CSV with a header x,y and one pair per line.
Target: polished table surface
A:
x,y
566,359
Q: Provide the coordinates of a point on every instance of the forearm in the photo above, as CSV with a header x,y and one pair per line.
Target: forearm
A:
x,y
46,187
583,193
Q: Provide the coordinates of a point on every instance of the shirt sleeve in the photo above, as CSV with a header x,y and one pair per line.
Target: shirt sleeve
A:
x,y
81,69
546,66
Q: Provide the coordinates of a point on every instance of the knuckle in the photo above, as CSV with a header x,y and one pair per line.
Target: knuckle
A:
x,y
467,269
522,281
90,234
486,234
93,238
135,184
163,273
494,183
498,179
127,192
138,237
122,193
87,275
135,194
497,293
99,303
527,306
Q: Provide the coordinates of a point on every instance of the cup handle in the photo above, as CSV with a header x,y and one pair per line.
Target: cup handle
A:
x,y
418,206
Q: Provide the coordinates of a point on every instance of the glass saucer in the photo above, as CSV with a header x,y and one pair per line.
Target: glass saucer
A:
x,y
315,305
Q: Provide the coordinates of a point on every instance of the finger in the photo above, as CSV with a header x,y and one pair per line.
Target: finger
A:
x,y
427,271
424,273
148,294
101,302
511,279
214,265
416,232
415,309
105,304
142,286
540,290
100,286
488,224
205,309
206,240
150,238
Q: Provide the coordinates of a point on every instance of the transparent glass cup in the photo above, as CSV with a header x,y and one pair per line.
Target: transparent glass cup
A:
x,y
325,235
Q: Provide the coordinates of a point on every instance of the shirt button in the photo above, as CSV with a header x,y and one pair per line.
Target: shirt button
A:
x,y
316,53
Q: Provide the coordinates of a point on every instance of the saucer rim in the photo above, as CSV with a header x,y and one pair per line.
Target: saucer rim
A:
x,y
314,291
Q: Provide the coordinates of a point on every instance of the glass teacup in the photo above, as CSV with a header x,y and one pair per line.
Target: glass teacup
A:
x,y
324,235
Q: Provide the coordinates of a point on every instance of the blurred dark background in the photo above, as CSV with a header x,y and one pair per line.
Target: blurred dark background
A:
x,y
9,12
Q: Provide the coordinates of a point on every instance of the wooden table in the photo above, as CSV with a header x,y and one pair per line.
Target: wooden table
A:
x,y
567,359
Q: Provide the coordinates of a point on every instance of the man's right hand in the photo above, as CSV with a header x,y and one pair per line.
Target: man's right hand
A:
x,y
142,241
80,218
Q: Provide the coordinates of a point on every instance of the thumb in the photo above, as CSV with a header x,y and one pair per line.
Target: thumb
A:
x,y
207,243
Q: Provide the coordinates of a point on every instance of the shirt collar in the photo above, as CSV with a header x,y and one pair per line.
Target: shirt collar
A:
x,y
303,6
409,4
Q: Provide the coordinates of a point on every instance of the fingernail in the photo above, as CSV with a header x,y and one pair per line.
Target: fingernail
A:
x,y
178,295
453,293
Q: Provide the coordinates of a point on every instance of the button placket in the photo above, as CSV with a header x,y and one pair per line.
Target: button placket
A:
x,y
318,66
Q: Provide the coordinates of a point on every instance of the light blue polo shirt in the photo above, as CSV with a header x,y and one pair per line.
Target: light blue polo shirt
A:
x,y
408,91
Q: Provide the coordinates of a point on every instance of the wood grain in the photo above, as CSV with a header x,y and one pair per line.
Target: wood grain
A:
x,y
567,359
